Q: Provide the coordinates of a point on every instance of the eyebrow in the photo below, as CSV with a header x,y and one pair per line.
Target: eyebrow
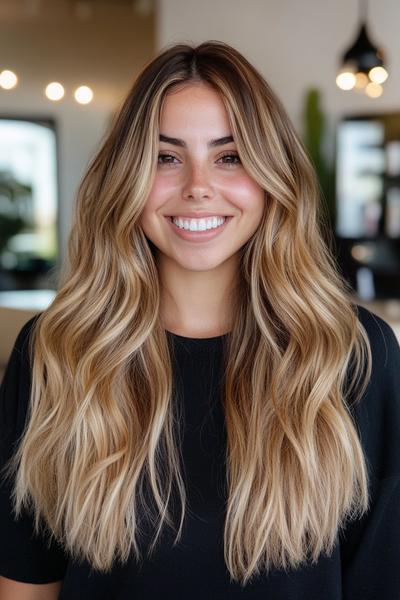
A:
x,y
177,142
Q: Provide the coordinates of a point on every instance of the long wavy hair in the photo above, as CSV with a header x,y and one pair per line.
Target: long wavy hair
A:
x,y
101,421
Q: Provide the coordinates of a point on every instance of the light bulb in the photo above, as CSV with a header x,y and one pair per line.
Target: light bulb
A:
x,y
346,80
8,79
378,74
374,90
83,94
361,80
54,91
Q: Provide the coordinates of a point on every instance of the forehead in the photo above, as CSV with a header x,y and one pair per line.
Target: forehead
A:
x,y
192,107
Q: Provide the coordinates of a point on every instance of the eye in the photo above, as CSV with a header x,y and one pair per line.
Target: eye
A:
x,y
168,159
235,159
161,160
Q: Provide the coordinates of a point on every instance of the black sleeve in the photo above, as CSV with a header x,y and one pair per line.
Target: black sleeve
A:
x,y
370,546
24,556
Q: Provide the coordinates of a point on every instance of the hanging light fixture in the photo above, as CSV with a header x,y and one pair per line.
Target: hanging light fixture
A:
x,y
363,67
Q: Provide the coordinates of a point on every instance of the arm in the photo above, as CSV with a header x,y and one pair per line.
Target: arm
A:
x,y
16,590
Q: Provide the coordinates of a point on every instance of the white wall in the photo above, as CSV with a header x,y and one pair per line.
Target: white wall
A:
x,y
104,52
295,44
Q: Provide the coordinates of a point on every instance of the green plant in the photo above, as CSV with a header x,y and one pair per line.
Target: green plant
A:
x,y
313,136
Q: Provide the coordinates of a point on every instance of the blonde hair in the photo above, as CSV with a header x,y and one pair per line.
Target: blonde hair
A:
x,y
101,418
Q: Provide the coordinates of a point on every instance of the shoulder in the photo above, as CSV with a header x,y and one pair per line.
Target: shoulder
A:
x,y
384,343
15,389
23,334
378,413
20,352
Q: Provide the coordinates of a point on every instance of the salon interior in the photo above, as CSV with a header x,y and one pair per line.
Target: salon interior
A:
x,y
66,65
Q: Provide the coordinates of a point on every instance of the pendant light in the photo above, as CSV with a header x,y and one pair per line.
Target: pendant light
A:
x,y
363,67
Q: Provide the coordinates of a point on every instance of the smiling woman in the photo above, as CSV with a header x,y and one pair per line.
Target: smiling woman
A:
x,y
216,207
215,362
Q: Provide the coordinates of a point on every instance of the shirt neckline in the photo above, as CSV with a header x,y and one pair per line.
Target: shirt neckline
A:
x,y
192,339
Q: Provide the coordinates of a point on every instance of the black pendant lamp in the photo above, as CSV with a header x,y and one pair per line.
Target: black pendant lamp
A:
x,y
363,64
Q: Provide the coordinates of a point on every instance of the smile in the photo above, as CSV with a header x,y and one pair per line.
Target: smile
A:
x,y
198,224
196,230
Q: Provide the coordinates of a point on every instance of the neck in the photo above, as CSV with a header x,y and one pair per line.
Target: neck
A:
x,y
197,303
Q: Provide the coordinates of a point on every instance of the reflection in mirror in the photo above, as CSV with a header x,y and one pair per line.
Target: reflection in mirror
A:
x,y
28,203
360,164
368,176
368,203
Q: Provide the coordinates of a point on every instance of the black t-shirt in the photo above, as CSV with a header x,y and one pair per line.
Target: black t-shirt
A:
x,y
365,564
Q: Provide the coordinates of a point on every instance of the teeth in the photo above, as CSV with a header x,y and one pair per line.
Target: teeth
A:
x,y
198,224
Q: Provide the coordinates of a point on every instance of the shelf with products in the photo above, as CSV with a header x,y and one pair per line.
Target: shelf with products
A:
x,y
368,176
367,224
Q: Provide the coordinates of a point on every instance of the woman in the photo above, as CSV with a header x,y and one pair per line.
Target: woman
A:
x,y
211,414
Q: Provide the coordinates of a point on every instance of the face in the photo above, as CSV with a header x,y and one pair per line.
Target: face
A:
x,y
196,178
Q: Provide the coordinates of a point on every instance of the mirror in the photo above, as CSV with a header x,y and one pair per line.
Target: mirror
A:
x,y
368,176
28,202
368,203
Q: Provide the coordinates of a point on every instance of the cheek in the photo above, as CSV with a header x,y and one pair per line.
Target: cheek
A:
x,y
163,185
160,191
154,199
246,192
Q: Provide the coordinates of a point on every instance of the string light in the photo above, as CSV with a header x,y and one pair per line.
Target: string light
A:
x,y
54,91
8,79
83,94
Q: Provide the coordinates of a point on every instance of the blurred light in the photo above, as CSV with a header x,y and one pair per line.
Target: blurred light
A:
x,y
54,91
374,90
27,299
346,80
83,94
365,284
378,74
8,79
362,253
361,81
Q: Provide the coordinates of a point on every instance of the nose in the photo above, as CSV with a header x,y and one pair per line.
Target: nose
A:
x,y
198,184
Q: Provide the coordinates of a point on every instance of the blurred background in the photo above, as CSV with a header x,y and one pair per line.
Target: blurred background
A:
x,y
66,65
